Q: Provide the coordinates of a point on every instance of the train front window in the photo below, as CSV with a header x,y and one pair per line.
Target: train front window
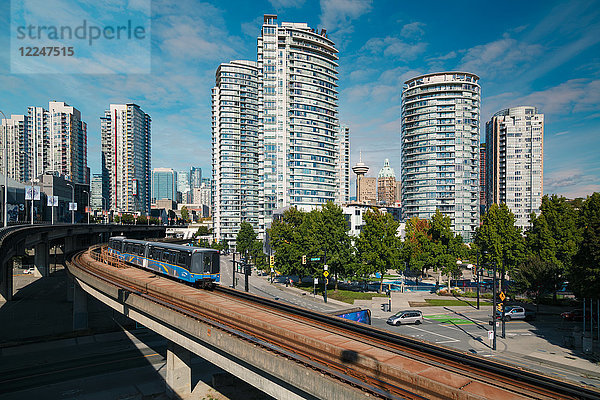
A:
x,y
196,267
215,263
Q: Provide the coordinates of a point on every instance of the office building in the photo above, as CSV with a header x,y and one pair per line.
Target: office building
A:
x,y
386,184
97,196
235,148
125,131
183,186
164,184
298,107
515,161
195,177
440,148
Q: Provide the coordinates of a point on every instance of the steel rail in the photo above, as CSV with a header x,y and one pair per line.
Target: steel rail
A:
x,y
526,382
465,361
335,370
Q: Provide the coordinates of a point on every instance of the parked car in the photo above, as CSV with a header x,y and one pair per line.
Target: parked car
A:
x,y
516,312
30,270
406,317
575,315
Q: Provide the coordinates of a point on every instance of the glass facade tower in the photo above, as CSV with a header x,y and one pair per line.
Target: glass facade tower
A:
x,y
440,148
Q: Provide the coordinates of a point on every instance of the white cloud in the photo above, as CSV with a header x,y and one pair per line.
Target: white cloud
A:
x,y
499,58
394,47
571,183
572,96
413,30
337,15
279,4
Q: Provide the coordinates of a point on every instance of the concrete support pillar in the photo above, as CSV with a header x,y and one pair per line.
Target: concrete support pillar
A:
x,y
40,260
80,308
69,244
70,288
6,279
179,371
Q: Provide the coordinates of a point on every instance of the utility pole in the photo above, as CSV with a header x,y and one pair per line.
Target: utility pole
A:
x,y
477,275
5,145
233,270
325,274
494,310
503,306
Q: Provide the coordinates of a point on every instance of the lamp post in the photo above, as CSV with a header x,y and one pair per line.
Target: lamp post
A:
x,y
5,171
88,206
72,201
477,276
494,310
105,200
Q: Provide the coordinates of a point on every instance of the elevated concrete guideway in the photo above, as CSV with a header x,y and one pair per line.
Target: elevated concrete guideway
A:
x,y
16,240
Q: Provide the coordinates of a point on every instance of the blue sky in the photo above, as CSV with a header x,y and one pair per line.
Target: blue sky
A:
x,y
540,53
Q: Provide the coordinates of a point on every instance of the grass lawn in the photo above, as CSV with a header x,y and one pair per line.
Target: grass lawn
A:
x,y
347,296
455,302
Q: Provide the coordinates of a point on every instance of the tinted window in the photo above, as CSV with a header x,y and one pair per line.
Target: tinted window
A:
x,y
181,259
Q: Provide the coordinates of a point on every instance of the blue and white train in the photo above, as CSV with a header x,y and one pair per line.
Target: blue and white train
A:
x,y
197,266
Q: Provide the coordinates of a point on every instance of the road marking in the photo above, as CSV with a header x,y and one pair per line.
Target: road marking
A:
x,y
452,340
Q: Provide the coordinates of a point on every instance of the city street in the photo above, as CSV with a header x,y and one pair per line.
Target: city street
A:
x,y
536,345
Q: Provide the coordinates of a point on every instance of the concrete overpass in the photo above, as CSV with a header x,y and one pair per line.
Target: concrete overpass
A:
x,y
17,240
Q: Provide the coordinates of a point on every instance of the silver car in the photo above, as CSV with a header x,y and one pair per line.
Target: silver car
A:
x,y
406,317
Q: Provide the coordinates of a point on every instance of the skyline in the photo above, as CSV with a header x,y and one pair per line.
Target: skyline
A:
x,y
543,56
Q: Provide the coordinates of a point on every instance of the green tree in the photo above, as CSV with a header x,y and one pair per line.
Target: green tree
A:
x,y
537,276
499,239
127,218
245,238
288,241
584,277
185,214
417,244
326,233
142,220
378,246
555,235
203,231
446,247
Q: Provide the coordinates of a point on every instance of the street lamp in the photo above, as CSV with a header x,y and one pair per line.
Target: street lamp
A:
x,y
88,206
5,171
72,201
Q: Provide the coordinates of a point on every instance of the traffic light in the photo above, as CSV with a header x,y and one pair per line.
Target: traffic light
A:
x,y
303,260
272,260
499,307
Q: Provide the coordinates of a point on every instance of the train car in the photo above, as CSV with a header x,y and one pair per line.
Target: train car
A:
x,y
197,266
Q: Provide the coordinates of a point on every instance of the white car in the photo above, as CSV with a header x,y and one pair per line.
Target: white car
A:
x,y
406,317
29,271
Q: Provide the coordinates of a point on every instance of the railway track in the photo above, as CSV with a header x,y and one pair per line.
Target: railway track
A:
x,y
380,363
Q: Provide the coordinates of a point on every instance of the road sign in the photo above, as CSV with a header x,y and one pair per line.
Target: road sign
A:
x,y
325,274
490,335
316,259
326,267
32,192
52,201
316,281
72,206
502,296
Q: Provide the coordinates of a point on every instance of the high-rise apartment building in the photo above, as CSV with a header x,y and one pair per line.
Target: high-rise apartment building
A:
x,y
343,165
440,148
125,131
67,153
48,141
386,184
183,186
164,184
18,155
515,161
298,108
482,174
235,148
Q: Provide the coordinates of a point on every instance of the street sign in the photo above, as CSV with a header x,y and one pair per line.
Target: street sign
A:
x,y
32,192
52,201
326,267
502,296
72,206
325,274
316,281
490,335
316,259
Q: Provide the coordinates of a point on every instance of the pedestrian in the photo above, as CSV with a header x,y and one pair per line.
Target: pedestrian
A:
x,y
287,282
